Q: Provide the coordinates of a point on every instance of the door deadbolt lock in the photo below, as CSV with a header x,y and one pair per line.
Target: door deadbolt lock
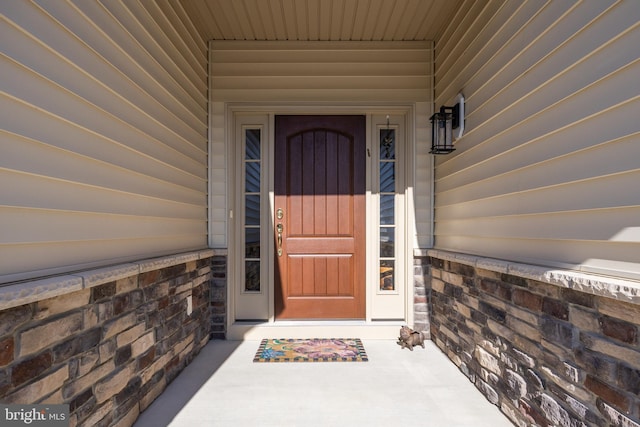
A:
x,y
279,213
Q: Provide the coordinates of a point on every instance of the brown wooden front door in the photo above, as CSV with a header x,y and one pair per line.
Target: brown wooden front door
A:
x,y
320,217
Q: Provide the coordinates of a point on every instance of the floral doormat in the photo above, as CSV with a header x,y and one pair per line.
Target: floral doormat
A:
x,y
311,350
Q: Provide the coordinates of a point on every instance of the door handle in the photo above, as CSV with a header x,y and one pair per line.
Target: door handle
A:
x,y
279,229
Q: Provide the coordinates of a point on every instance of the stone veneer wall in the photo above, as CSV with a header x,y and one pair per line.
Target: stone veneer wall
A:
x,y
219,297
549,347
421,294
107,342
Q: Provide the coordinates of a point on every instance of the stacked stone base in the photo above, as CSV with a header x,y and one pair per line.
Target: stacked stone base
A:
x,y
421,295
107,342
110,343
547,355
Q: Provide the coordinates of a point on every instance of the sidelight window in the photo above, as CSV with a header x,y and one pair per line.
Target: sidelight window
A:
x,y
387,218
252,166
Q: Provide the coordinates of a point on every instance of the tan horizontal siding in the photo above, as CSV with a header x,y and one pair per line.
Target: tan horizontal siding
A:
x,y
47,226
423,164
20,154
158,42
52,130
566,225
34,89
572,196
132,56
547,170
178,47
104,135
218,213
320,71
316,69
53,256
610,258
518,172
337,83
45,192
191,39
341,54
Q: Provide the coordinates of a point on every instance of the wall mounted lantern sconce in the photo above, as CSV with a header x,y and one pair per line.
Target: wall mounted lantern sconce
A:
x,y
443,125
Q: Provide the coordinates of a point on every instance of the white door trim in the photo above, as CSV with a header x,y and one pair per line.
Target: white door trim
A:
x,y
264,325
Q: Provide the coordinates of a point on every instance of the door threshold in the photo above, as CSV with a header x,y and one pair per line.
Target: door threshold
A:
x,y
256,330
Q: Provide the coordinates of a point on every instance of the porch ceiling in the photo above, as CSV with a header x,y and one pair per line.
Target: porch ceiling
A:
x,y
328,20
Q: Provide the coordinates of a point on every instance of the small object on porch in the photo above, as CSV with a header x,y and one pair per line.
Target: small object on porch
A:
x,y
410,338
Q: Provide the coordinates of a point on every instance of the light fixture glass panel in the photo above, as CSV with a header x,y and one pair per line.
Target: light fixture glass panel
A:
x,y
252,276
444,130
387,282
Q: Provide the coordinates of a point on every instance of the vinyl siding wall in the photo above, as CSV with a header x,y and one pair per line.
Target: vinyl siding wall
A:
x,y
325,74
103,134
548,170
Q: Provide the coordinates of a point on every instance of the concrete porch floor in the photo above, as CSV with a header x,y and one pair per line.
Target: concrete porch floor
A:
x,y
396,387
